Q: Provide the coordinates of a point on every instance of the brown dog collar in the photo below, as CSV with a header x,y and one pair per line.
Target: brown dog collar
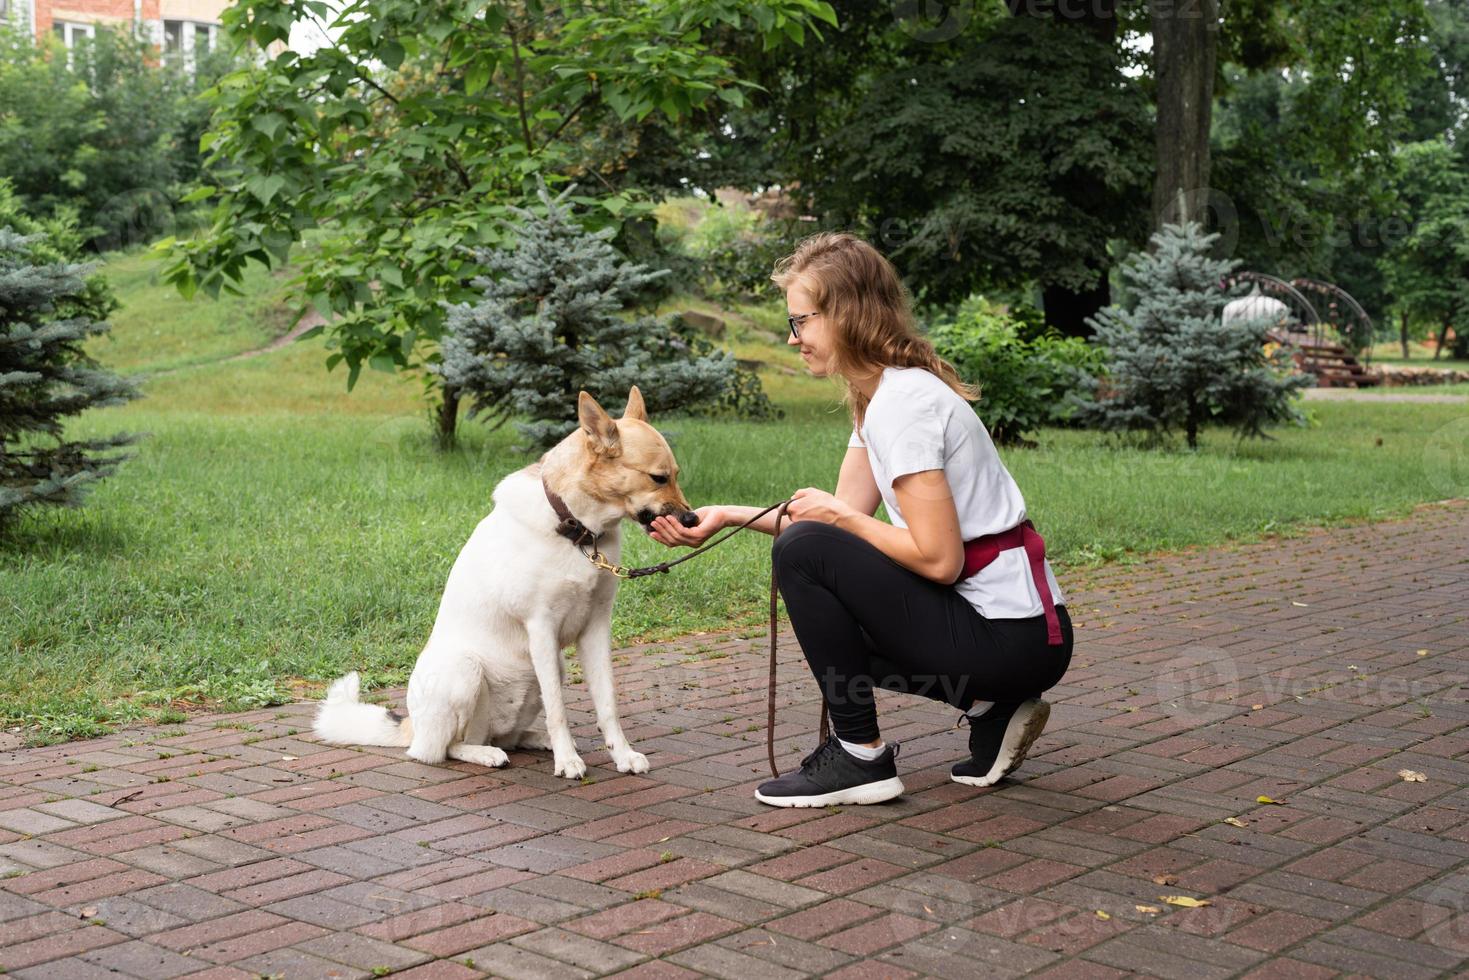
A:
x,y
570,528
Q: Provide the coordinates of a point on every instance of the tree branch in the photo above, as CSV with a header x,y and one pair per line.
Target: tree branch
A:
x,y
520,88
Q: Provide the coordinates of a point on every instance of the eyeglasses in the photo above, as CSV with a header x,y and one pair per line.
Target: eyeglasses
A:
x,y
795,322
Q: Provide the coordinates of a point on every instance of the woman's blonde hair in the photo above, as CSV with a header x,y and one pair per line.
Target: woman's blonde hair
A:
x,y
870,311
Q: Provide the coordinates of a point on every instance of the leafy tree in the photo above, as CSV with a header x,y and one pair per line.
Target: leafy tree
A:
x,y
550,324
1016,159
103,128
49,308
420,125
1427,270
1172,362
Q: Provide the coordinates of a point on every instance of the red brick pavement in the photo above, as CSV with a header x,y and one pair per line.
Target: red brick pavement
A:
x,y
1310,670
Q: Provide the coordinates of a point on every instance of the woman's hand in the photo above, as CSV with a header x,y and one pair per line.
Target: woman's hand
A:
x,y
667,530
811,504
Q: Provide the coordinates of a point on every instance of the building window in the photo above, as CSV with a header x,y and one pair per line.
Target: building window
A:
x,y
70,33
173,36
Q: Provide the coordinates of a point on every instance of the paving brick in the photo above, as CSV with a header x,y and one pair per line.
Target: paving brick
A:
x,y
661,938
468,935
580,951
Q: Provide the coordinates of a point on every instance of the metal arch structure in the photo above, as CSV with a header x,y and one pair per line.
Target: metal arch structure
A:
x,y
1354,326
1299,306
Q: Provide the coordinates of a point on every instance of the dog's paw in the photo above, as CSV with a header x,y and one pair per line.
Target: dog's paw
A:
x,y
571,766
483,755
629,761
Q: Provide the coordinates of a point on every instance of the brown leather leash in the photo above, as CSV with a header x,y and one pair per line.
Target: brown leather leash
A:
x,y
582,536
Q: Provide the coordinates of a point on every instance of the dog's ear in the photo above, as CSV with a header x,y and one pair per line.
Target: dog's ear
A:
x,y
598,425
635,407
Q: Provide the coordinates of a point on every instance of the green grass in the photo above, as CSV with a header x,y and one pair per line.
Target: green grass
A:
x,y
274,531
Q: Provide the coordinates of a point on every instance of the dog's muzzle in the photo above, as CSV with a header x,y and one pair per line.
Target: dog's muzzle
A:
x,y
687,518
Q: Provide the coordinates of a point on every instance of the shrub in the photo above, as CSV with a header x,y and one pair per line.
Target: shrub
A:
x,y
1022,382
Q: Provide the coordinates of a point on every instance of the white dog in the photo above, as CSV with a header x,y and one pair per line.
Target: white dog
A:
x,y
521,591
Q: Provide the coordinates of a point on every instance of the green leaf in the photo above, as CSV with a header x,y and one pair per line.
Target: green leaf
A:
x,y
392,54
477,78
265,186
268,123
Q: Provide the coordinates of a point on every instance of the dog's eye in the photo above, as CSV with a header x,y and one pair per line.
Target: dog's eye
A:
x,y
659,478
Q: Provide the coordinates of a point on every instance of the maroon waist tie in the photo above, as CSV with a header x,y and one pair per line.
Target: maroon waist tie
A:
x,y
984,549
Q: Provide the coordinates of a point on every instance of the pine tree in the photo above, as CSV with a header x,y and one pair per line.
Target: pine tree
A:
x,y
551,323
1172,363
49,308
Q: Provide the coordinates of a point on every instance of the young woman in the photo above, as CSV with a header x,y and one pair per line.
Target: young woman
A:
x,y
953,600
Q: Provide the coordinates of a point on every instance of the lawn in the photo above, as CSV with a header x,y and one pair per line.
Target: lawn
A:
x,y
274,531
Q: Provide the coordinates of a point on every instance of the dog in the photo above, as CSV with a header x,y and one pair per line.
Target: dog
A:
x,y
490,676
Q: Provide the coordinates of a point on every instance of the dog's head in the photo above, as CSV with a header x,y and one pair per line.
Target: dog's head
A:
x,y
629,462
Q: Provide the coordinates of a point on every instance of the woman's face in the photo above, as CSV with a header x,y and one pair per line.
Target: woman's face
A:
x,y
815,342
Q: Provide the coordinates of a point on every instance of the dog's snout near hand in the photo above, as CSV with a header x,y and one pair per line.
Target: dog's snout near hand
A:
x,y
688,519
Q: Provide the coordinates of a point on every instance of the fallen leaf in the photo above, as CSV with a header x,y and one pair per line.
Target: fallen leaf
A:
x,y
928,910
1422,653
1183,901
1409,776
1234,821
1148,909
1295,603
1266,799
1103,915
88,912
288,758
1165,879
1256,707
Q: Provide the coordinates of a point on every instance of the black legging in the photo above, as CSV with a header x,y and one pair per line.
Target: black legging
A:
x,y
863,619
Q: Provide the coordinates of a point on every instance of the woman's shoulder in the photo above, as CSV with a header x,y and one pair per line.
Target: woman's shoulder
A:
x,y
916,387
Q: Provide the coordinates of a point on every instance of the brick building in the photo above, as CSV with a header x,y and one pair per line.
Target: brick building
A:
x,y
178,26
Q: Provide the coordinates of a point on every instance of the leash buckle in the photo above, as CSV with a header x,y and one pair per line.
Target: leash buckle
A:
x,y
599,560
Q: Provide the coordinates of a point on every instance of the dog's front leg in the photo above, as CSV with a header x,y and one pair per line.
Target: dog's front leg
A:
x,y
545,655
594,650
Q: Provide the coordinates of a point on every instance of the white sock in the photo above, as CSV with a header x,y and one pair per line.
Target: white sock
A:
x,y
980,707
862,751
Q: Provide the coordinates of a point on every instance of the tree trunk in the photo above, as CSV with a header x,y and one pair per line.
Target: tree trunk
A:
x,y
1185,44
1067,309
1403,334
446,418
1443,336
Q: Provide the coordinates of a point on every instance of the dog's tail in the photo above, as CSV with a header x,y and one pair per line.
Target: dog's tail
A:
x,y
343,719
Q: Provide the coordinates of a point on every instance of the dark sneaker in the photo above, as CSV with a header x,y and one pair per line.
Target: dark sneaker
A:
x,y
999,739
832,775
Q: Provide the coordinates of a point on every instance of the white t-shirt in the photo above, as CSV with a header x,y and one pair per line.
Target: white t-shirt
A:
x,y
916,422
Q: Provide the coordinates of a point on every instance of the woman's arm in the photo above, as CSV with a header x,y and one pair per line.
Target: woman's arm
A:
x,y
855,485
930,545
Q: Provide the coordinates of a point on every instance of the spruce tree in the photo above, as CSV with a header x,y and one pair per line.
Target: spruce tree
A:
x,y
1172,363
49,308
551,323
